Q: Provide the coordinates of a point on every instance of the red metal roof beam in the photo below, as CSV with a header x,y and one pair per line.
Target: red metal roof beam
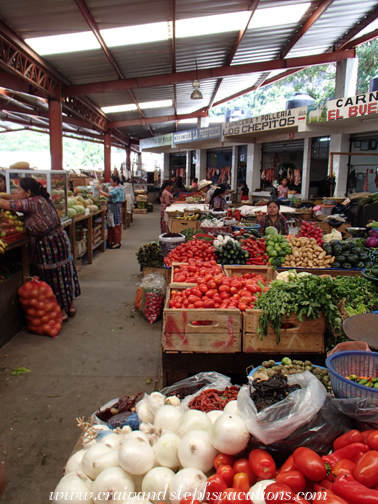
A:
x,y
154,120
361,40
344,41
253,6
210,73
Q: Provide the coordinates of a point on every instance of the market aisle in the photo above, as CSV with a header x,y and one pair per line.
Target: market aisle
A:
x,y
107,351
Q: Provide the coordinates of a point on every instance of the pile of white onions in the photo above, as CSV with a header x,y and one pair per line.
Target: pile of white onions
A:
x,y
172,450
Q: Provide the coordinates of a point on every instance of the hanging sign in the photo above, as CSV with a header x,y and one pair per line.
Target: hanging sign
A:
x,y
266,122
196,135
353,106
156,141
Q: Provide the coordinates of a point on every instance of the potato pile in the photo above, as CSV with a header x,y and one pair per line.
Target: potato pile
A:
x,y
306,253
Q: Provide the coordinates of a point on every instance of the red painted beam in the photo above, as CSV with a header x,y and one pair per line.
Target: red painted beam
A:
x,y
344,41
210,73
361,40
253,6
154,120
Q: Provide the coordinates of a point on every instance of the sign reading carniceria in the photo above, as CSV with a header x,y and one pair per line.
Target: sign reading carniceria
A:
x,y
266,122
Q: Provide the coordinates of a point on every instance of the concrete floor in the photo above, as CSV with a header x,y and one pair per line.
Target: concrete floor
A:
x,y
105,352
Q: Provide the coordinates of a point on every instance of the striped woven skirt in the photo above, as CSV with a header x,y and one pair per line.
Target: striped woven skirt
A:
x,y
56,267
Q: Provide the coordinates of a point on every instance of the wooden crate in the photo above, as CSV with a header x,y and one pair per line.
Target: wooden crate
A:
x,y
302,337
266,271
325,271
140,210
181,334
177,285
179,225
166,272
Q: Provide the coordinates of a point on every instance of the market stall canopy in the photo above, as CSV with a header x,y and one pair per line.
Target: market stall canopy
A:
x,y
131,67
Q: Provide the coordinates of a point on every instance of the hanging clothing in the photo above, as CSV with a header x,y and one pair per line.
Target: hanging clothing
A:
x,y
52,246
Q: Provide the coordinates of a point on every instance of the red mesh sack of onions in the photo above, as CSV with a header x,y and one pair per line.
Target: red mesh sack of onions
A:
x,y
43,314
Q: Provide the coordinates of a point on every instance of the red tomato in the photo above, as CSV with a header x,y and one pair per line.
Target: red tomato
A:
x,y
241,482
242,306
310,464
262,464
243,466
223,459
217,299
235,496
293,479
215,485
224,288
366,470
366,434
343,466
224,295
198,304
193,299
233,290
372,440
227,473
211,284
202,287
188,500
196,292
278,494
210,293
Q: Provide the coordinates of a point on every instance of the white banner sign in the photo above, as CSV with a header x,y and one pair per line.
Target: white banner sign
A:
x,y
267,122
353,106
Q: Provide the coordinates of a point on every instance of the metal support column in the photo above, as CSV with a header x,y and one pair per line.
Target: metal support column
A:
x,y
56,132
107,156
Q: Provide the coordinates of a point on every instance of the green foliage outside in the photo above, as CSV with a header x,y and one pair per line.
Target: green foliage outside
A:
x,y
318,82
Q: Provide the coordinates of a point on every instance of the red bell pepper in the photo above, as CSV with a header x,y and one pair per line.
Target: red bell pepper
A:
x,y
351,452
353,492
353,436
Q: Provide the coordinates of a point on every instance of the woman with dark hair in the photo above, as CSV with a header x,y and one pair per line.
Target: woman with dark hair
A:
x,y
49,242
244,191
217,200
273,218
115,197
3,186
166,200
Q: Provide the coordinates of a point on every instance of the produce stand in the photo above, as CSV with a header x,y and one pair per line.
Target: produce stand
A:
x,y
90,245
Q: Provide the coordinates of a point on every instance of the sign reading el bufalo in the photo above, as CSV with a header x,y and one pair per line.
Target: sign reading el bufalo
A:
x,y
353,106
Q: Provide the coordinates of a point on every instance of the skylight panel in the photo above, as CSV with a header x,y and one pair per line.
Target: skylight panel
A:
x,y
67,43
138,34
119,108
156,104
275,16
370,27
207,25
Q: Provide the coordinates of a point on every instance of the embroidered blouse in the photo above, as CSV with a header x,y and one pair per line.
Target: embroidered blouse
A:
x,y
281,224
40,214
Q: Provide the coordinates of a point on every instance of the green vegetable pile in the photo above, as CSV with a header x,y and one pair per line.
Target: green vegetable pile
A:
x,y
150,256
277,247
348,254
311,295
188,233
229,251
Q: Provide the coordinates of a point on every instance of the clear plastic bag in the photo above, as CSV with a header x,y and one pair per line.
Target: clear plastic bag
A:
x,y
278,421
364,416
153,296
317,434
216,380
170,243
195,384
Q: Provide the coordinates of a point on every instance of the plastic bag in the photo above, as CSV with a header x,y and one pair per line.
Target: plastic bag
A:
x,y
364,416
318,434
46,319
195,384
349,345
278,421
169,244
153,296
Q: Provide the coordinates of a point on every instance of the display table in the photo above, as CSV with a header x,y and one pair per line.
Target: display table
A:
x,y
100,244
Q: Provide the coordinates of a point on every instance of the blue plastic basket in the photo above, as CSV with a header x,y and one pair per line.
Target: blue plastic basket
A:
x,y
355,362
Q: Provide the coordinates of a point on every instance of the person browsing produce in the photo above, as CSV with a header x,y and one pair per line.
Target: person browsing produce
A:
x,y
273,218
116,197
49,241
204,187
244,191
283,189
166,200
218,201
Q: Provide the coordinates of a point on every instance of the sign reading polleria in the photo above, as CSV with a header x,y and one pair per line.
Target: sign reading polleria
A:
x,y
266,122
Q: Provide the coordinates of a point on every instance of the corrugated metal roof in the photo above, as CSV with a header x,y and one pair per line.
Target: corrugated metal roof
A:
x,y
197,8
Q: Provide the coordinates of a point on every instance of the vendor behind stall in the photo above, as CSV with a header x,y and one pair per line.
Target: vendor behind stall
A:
x,y
49,241
273,218
218,199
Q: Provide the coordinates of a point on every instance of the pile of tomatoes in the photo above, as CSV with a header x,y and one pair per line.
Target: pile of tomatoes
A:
x,y
349,475
220,291
310,230
193,249
188,273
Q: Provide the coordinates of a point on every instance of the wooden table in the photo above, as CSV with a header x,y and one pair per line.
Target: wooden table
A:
x,y
23,245
90,247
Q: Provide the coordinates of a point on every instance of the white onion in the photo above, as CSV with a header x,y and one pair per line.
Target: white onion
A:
x,y
193,420
111,440
167,418
195,450
105,461
73,484
159,398
136,434
74,462
173,400
88,442
190,481
156,484
213,415
231,408
146,428
136,456
230,434
113,484
89,459
256,492
165,451
144,413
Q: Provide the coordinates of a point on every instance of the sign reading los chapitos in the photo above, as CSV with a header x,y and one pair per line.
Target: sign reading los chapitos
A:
x,y
353,106
266,122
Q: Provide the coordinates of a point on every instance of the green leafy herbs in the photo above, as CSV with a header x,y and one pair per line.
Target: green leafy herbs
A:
x,y
150,256
188,233
312,295
20,371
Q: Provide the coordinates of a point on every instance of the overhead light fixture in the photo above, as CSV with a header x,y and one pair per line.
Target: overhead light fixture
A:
x,y
196,94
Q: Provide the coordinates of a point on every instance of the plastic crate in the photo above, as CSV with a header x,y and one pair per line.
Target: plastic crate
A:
x,y
359,363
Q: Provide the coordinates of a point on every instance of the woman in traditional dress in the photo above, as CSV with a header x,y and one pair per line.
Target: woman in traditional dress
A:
x,y
166,200
273,218
116,197
49,242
